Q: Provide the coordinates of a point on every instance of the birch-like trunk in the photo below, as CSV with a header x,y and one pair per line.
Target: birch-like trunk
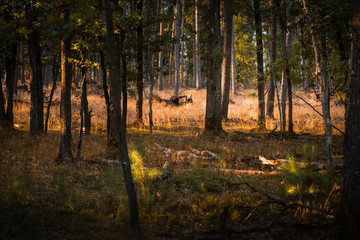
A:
x,y
260,68
321,77
226,63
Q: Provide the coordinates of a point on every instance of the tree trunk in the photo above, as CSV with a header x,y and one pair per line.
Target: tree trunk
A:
x,y
55,70
197,46
118,132
194,60
182,48
2,102
260,67
36,85
351,192
177,48
289,36
233,59
272,80
322,80
106,92
86,113
161,60
83,97
226,63
65,154
152,64
213,87
139,66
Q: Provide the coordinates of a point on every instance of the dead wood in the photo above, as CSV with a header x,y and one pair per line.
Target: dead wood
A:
x,y
174,100
100,160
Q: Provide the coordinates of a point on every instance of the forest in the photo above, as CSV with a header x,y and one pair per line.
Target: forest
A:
x,y
180,119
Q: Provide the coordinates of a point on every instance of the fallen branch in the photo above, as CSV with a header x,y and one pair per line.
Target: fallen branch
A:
x,y
103,161
317,112
174,100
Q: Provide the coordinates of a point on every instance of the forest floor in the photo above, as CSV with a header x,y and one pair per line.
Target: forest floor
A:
x,y
229,196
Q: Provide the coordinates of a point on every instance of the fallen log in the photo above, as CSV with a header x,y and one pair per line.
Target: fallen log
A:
x,y
174,100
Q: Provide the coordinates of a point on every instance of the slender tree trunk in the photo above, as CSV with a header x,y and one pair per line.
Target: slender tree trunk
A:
x,y
289,36
194,47
118,132
177,48
182,49
197,47
10,65
55,70
65,154
226,63
322,80
86,113
161,60
233,59
351,192
213,87
106,92
260,67
151,124
123,73
36,85
272,80
83,97
139,66
2,102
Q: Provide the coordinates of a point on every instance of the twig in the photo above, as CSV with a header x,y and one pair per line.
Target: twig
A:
x,y
317,112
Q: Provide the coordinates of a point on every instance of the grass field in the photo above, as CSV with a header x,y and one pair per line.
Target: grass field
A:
x,y
215,199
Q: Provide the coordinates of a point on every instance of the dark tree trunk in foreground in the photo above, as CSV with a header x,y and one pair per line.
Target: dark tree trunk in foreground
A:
x,y
118,132
271,92
260,67
351,193
213,88
10,66
322,80
161,60
65,154
139,67
36,85
226,64
87,114
177,48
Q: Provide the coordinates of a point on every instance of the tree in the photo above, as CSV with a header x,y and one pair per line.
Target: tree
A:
x,y
65,154
139,66
321,77
272,80
351,192
213,86
233,59
177,48
118,132
226,64
161,60
260,67
197,46
36,86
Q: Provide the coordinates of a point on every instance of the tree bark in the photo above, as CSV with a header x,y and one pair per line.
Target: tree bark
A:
x,y
351,192
2,102
272,81
36,85
106,92
233,59
321,77
86,113
213,87
139,67
182,48
161,60
194,60
119,133
55,70
177,48
226,63
197,46
65,154
260,67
